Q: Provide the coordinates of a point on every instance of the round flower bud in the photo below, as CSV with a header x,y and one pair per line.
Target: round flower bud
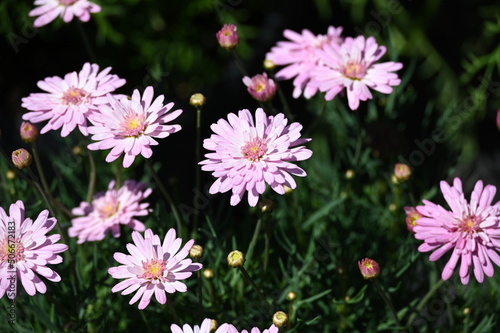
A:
x,y
236,259
269,64
21,158
350,174
266,205
287,189
77,150
369,268
280,319
260,87
208,273
291,296
197,100
28,131
402,172
10,175
412,215
466,311
227,37
393,207
213,325
196,251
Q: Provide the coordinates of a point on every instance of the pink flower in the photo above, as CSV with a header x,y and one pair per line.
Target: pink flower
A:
x,y
129,125
69,102
412,215
352,66
472,230
28,132
498,119
369,268
25,251
249,154
260,87
109,210
153,268
228,328
48,10
300,58
205,328
227,36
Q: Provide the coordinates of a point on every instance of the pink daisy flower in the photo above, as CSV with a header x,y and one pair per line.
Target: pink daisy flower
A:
x,y
352,66
153,268
69,102
228,328
26,250
48,10
109,210
260,87
300,58
248,154
472,230
129,125
205,328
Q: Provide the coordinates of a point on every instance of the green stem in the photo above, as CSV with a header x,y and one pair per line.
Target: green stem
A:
x,y
92,177
146,321
174,313
424,301
286,107
267,245
86,43
250,280
198,170
386,299
239,63
253,242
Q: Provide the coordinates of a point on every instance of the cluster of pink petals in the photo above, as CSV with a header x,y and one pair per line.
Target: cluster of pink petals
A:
x,y
153,267
299,56
471,230
129,126
260,87
224,328
26,250
227,36
109,210
228,328
247,154
69,102
48,10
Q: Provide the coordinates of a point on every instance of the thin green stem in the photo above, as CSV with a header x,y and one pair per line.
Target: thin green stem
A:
x,y
251,281
174,313
424,301
253,242
239,63
286,107
86,43
92,177
267,244
198,171
386,299
200,296
146,321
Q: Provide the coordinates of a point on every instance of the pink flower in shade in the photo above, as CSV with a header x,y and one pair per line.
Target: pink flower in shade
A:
x,y
412,215
300,58
352,66
369,268
69,102
227,36
498,119
472,230
153,268
129,126
248,154
205,328
260,87
109,210
228,328
48,10
26,250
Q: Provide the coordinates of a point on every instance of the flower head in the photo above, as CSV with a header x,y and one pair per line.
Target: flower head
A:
x,y
153,267
402,172
129,126
248,154
227,36
352,66
412,215
471,230
228,328
369,268
28,132
69,102
260,87
26,250
21,158
498,119
299,56
109,210
48,10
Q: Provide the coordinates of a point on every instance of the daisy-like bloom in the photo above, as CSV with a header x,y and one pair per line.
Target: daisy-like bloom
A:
x,y
248,154
69,102
109,210
369,268
260,87
412,215
48,10
228,328
471,229
26,250
299,56
228,37
153,267
206,325
129,125
352,66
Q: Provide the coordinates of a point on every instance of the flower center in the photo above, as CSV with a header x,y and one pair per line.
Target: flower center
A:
x,y
106,206
67,2
74,96
154,269
133,125
254,149
12,250
355,70
470,225
260,86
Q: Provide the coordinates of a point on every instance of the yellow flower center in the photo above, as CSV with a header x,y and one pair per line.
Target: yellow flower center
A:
x,y
254,150
154,269
355,70
133,126
74,96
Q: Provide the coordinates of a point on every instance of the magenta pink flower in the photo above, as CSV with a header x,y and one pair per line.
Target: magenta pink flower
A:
x,y
129,125
153,268
369,268
412,215
300,57
227,36
498,119
26,250
48,10
472,230
352,66
249,154
260,87
109,210
69,102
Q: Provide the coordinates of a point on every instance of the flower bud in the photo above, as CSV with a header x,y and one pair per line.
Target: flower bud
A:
x,y
236,259
280,319
10,174
291,296
287,189
208,273
269,64
266,205
77,150
197,100
28,131
21,158
369,268
196,251
402,172
260,87
213,325
412,215
228,37
350,174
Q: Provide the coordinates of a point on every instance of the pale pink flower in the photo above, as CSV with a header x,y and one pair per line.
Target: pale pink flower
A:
x,y
69,102
205,328
248,154
109,210
300,57
129,126
227,36
153,268
48,10
352,66
26,250
498,119
472,230
228,328
260,87
412,215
